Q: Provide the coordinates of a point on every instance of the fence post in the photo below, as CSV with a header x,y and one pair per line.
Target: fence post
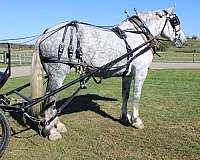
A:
x,y
4,57
193,58
20,59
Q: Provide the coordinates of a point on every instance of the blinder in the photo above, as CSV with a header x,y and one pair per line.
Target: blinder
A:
x,y
174,21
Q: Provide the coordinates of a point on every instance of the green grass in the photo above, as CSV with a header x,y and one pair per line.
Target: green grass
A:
x,y
177,57
193,44
169,108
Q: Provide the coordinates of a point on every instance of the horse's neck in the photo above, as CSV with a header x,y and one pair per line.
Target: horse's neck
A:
x,y
154,23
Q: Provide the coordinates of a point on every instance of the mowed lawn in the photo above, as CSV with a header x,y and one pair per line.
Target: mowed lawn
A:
x,y
170,109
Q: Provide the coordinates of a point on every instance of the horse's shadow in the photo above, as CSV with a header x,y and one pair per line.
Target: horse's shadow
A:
x,y
78,104
86,103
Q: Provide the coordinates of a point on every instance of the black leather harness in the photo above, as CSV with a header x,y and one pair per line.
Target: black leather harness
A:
x,y
141,28
73,24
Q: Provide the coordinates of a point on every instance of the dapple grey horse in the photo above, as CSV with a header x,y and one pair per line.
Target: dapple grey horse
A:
x,y
100,46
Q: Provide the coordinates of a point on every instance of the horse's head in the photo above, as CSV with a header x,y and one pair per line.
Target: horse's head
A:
x,y
170,27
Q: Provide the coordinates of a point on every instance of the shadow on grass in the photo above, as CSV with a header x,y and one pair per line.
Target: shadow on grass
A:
x,y
78,104
86,103
28,125
25,122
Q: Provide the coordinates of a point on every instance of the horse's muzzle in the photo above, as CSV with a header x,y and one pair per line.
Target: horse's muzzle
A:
x,y
178,43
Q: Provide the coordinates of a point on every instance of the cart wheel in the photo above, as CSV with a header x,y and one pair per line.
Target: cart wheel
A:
x,y
5,133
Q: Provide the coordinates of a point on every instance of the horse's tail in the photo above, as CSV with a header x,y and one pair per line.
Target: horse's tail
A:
x,y
37,88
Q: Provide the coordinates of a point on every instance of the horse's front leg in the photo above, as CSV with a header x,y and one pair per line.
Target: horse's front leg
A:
x,y
126,84
140,76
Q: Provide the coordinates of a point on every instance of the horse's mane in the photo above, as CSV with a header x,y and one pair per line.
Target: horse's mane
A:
x,y
160,11
149,16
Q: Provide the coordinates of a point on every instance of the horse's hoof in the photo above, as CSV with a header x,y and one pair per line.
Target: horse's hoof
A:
x,y
60,127
54,135
137,123
45,132
125,119
83,84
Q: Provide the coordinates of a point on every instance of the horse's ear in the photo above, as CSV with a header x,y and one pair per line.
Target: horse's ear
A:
x,y
166,12
158,14
171,10
174,8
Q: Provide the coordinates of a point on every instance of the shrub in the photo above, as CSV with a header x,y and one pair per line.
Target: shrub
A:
x,y
162,47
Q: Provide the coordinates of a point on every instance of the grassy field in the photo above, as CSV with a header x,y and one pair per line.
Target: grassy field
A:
x,y
169,108
189,53
177,57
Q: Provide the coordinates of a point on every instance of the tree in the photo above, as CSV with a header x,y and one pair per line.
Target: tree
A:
x,y
194,37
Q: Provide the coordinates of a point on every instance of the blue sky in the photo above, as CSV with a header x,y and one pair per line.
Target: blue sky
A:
x,y
29,17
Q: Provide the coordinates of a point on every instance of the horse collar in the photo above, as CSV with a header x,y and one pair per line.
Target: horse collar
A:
x,y
141,26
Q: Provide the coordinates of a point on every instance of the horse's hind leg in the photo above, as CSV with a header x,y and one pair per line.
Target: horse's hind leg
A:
x,y
56,77
140,76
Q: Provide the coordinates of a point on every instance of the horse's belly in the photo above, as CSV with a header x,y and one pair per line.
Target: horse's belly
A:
x,y
113,72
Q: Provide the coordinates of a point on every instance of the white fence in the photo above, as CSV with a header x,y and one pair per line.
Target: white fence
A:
x,y
17,58
26,58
